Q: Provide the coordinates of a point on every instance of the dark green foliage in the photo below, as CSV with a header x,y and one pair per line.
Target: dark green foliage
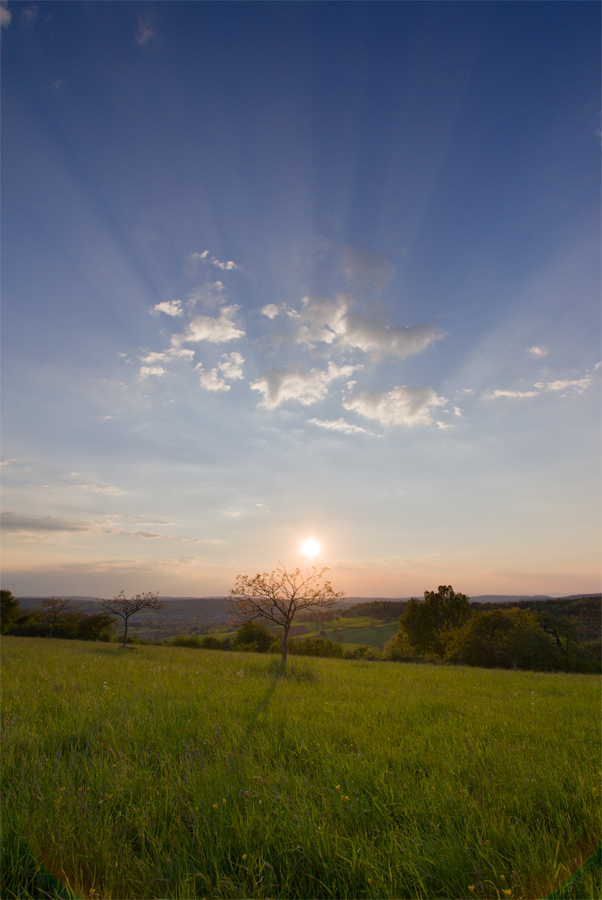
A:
x,y
213,643
387,610
75,626
584,612
9,610
315,647
426,621
503,638
253,636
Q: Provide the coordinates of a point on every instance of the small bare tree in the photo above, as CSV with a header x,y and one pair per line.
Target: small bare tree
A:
x,y
55,609
125,609
279,596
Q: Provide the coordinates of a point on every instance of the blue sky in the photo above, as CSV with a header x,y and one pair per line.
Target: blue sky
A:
x,y
274,271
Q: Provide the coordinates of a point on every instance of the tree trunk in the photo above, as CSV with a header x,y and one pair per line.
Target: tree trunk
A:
x,y
125,633
284,640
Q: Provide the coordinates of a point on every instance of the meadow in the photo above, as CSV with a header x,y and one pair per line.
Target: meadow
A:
x,y
161,772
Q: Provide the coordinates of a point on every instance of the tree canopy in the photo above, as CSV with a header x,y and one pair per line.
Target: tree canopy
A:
x,y
125,609
279,595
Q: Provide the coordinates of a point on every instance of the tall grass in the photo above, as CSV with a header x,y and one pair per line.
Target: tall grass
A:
x,y
167,772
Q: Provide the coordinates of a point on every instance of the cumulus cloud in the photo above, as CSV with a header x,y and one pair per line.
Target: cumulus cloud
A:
x,y
539,351
338,425
215,329
145,371
10,521
5,14
270,310
169,307
144,32
401,406
211,380
366,270
204,257
292,383
332,322
230,368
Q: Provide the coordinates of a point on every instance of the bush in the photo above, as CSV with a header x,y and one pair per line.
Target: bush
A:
x,y
253,636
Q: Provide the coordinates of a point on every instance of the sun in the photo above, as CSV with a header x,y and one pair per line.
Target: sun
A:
x,y
310,548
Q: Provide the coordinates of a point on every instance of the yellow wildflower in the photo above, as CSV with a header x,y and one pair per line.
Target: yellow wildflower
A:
x,y
244,856
471,887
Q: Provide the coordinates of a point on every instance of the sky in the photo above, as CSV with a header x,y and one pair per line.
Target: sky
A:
x,y
279,271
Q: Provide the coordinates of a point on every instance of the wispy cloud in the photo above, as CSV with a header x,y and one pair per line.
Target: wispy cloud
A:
x,y
401,406
5,14
519,395
144,32
539,351
10,521
339,425
292,383
363,269
576,385
211,294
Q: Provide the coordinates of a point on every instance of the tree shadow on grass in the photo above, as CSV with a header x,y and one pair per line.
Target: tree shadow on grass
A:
x,y
23,877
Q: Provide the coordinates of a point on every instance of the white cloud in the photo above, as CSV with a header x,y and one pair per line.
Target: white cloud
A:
x,y
230,368
597,366
338,425
169,307
578,385
292,383
5,15
444,425
512,394
539,351
153,357
145,371
182,353
401,406
270,310
211,380
143,33
365,269
204,256
331,321
457,411
215,329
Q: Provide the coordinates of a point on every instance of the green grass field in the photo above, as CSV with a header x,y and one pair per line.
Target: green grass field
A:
x,y
165,772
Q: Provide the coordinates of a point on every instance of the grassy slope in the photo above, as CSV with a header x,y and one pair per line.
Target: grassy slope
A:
x,y
161,772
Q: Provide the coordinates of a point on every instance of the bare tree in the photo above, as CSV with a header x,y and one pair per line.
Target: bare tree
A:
x,y
125,609
278,596
54,609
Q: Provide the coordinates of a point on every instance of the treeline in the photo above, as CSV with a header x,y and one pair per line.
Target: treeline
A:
x,y
446,627
54,617
387,610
